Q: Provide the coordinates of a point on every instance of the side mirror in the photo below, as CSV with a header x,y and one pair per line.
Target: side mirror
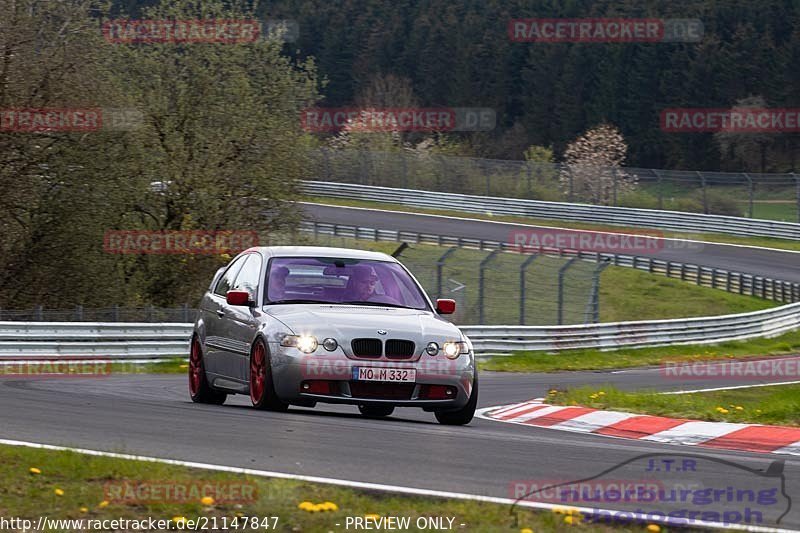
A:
x,y
445,306
238,298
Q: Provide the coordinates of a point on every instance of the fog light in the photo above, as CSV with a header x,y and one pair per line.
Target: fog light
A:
x,y
432,348
330,344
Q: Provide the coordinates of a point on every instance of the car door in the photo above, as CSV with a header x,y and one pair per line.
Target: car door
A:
x,y
241,321
213,309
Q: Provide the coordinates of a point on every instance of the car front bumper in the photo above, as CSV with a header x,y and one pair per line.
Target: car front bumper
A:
x,y
294,374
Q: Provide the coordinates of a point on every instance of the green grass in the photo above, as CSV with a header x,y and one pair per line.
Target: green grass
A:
x,y
82,479
787,343
764,242
779,405
628,294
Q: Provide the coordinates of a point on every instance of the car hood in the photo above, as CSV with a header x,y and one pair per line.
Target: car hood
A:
x,y
345,322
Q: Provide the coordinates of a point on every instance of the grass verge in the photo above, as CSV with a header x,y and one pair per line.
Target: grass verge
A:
x,y
787,343
779,405
764,242
69,485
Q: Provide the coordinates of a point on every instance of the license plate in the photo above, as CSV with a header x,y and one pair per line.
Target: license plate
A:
x,y
391,375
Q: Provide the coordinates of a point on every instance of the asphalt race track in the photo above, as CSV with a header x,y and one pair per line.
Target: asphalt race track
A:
x,y
775,264
152,415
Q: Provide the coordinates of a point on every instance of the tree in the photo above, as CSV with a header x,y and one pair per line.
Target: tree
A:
x,y
592,167
748,151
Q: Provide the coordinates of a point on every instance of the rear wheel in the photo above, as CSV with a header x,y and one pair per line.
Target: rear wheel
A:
x,y
376,411
199,388
262,388
464,415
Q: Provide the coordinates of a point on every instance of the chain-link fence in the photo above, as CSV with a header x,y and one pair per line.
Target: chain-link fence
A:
x,y
489,287
767,196
508,288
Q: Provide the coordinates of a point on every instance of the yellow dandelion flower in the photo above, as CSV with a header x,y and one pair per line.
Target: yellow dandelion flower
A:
x,y
35,471
655,528
58,492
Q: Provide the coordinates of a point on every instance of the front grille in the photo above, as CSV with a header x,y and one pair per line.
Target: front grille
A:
x,y
371,348
399,349
381,391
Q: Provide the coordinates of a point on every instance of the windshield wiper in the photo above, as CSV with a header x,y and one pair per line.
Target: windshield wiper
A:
x,y
375,304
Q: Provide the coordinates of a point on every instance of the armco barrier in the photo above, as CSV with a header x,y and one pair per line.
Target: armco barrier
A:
x,y
24,340
97,339
621,216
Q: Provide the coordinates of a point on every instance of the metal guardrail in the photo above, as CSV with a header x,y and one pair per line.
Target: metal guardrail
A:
x,y
703,330
23,340
620,216
79,339
716,278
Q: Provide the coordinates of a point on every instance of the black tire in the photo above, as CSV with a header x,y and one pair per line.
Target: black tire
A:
x,y
262,387
376,411
464,415
199,389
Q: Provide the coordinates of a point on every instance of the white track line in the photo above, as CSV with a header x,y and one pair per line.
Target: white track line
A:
x,y
368,486
733,387
750,246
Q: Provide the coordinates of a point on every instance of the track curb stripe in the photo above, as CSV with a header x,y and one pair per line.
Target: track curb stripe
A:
x,y
721,435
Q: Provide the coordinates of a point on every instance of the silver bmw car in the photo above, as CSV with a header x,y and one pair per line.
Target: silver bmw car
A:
x,y
297,325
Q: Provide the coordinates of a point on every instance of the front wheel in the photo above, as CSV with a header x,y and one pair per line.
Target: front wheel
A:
x,y
199,389
262,388
463,415
376,411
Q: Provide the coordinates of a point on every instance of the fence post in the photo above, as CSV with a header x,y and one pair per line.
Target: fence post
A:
x,y
482,283
614,186
705,196
750,193
439,264
186,312
797,194
660,189
594,295
530,177
115,313
78,313
523,269
39,313
561,272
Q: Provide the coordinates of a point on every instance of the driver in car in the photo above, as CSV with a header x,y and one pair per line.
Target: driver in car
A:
x,y
362,283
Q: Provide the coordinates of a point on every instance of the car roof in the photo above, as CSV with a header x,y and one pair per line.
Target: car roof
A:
x,y
323,251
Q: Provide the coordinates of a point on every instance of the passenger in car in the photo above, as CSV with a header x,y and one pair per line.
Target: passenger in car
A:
x,y
277,284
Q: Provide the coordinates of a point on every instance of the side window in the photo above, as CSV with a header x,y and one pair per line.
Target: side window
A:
x,y
248,278
226,281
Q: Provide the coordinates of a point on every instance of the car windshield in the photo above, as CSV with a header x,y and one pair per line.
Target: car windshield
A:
x,y
341,281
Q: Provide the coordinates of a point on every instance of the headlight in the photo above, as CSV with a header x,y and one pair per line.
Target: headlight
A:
x,y
432,348
453,349
330,344
304,343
